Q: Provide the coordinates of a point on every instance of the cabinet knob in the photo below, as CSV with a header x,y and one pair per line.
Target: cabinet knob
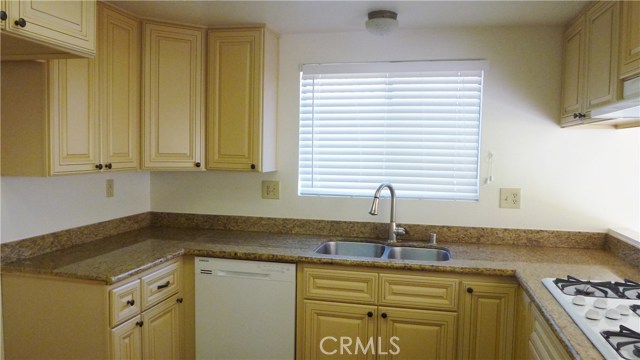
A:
x,y
469,290
253,166
20,22
99,166
140,323
108,166
179,300
198,164
131,302
370,314
3,15
384,315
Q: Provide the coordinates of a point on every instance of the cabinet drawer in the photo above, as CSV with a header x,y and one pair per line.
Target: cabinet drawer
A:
x,y
419,291
340,285
124,302
161,284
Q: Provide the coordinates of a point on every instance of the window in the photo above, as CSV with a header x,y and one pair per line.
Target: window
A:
x,y
413,124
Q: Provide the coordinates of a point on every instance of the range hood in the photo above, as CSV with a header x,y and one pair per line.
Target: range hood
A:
x,y
628,108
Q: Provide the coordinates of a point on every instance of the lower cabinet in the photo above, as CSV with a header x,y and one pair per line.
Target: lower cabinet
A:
x,y
57,318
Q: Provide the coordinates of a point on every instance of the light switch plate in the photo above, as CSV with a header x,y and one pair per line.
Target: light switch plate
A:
x,y
271,189
510,198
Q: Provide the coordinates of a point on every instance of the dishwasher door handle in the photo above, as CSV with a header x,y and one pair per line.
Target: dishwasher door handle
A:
x,y
256,275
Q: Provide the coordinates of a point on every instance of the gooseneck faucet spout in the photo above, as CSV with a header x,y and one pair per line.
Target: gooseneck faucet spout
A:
x,y
393,229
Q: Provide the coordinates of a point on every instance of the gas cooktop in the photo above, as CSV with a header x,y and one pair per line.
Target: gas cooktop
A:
x,y
608,312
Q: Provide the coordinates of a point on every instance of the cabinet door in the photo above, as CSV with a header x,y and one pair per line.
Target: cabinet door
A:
x,y
543,344
416,334
75,142
173,97
573,72
119,78
234,112
487,320
630,39
66,24
602,54
126,340
161,332
327,325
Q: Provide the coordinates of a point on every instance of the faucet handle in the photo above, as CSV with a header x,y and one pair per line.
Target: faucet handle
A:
x,y
399,230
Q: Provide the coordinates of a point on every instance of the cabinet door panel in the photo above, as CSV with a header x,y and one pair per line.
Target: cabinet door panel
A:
x,y
630,39
161,336
74,127
602,54
126,341
420,334
573,71
326,324
488,320
119,63
173,100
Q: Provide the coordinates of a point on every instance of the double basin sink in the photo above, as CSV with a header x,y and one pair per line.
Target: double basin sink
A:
x,y
379,251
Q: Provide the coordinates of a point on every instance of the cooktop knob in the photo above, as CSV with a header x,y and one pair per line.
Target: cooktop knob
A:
x,y
600,303
579,300
623,310
613,314
593,314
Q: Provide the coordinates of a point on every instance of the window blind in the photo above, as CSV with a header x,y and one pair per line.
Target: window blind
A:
x,y
413,124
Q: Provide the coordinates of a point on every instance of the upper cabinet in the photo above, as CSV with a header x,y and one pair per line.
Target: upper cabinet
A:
x,y
630,39
173,102
74,115
48,29
590,63
242,92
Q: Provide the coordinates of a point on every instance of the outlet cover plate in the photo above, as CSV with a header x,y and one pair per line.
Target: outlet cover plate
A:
x,y
109,189
271,189
510,198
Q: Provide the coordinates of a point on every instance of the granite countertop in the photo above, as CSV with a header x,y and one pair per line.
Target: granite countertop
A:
x,y
116,258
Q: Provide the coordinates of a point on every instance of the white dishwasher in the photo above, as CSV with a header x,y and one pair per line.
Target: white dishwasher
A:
x,y
244,309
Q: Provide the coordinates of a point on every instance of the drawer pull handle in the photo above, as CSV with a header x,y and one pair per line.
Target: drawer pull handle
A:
x,y
131,302
140,323
179,300
165,285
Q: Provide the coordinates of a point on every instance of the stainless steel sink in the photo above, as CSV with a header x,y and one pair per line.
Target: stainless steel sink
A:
x,y
346,248
420,254
369,250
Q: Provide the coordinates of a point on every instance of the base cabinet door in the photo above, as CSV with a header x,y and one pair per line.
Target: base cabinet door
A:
x,y
488,321
161,336
126,340
416,334
329,325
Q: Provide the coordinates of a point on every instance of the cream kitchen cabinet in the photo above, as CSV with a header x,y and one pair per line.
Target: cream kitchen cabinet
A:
x,y
380,315
590,62
48,29
242,86
487,312
173,100
629,39
74,115
59,318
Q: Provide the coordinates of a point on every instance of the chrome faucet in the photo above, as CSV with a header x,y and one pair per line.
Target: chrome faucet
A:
x,y
393,229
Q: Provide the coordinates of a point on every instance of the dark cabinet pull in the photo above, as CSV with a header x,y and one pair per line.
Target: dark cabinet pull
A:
x,y
179,300
165,285
131,302
370,314
108,166
3,15
384,315
21,22
140,323
253,166
469,290
99,166
198,164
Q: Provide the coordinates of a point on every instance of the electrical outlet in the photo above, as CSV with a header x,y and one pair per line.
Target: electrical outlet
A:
x,y
271,189
510,198
109,190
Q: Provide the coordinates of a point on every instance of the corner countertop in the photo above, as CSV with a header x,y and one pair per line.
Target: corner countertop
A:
x,y
119,257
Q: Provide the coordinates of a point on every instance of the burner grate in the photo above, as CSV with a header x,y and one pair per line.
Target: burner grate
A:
x,y
574,286
626,342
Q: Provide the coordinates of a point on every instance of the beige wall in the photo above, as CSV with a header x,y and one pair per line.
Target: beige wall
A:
x,y
571,179
36,206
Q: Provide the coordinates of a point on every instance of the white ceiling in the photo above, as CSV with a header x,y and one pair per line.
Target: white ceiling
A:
x,y
337,16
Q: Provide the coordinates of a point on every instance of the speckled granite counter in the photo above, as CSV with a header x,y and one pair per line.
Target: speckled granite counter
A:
x,y
115,258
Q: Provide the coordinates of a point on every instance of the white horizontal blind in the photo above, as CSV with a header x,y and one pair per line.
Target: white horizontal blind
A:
x,y
416,126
